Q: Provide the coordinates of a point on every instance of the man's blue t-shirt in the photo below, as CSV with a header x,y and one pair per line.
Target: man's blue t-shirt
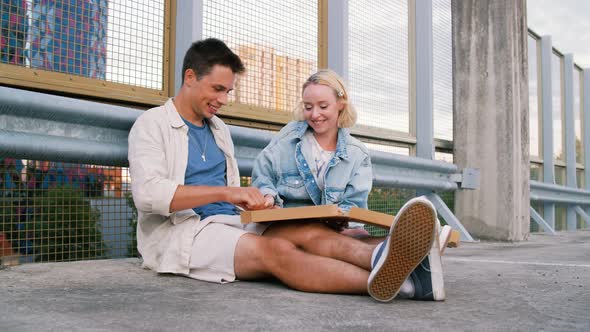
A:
x,y
206,167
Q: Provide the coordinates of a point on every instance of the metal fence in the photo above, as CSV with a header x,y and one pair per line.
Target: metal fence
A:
x,y
559,108
63,210
64,185
111,49
55,211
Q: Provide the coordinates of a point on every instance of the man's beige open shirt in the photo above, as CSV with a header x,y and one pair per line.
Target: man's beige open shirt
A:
x,y
158,154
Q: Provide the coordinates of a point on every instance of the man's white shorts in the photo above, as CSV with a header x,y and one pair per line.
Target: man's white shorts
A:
x,y
212,255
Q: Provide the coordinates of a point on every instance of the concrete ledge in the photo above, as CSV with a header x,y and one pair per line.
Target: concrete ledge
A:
x,y
541,284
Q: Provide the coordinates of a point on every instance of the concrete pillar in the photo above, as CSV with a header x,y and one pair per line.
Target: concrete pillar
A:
x,y
490,92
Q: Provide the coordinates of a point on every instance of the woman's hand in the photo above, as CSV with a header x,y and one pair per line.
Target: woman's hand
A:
x,y
270,202
355,232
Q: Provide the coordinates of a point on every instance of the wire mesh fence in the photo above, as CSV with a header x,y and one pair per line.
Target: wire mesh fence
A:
x,y
53,211
390,201
135,43
109,40
277,42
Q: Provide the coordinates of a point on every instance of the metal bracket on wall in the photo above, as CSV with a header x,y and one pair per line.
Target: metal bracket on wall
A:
x,y
467,179
470,178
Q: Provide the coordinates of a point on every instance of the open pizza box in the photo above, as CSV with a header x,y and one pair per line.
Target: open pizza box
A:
x,y
328,212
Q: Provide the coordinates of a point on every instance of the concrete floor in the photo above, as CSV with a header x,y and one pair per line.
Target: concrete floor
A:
x,y
540,284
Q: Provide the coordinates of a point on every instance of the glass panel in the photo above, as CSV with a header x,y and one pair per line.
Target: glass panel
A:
x,y
536,172
533,98
560,175
442,39
277,41
556,84
388,148
378,63
560,217
443,156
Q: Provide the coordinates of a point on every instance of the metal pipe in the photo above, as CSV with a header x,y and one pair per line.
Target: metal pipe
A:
x,y
391,159
44,147
413,182
250,137
561,200
558,189
390,169
28,104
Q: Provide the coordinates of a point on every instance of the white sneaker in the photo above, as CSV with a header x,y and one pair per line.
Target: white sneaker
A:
x,y
408,291
411,237
428,276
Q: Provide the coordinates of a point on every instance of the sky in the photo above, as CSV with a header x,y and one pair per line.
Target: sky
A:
x,y
568,24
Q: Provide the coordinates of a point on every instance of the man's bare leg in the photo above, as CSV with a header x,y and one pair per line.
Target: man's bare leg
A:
x,y
318,239
257,257
372,239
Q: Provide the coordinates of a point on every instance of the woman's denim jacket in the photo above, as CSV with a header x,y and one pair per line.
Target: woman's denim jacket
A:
x,y
281,170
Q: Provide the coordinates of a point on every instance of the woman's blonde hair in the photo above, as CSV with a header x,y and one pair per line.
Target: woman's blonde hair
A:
x,y
327,77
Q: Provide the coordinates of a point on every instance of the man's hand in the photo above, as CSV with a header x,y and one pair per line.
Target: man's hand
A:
x,y
248,198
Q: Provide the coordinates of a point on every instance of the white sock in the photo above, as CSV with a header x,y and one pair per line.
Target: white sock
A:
x,y
407,290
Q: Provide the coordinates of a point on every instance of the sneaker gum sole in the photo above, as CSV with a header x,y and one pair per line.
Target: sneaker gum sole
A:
x,y
410,242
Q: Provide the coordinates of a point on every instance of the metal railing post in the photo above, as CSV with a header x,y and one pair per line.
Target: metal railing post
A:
x,y
338,37
586,130
189,28
547,124
423,88
570,135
